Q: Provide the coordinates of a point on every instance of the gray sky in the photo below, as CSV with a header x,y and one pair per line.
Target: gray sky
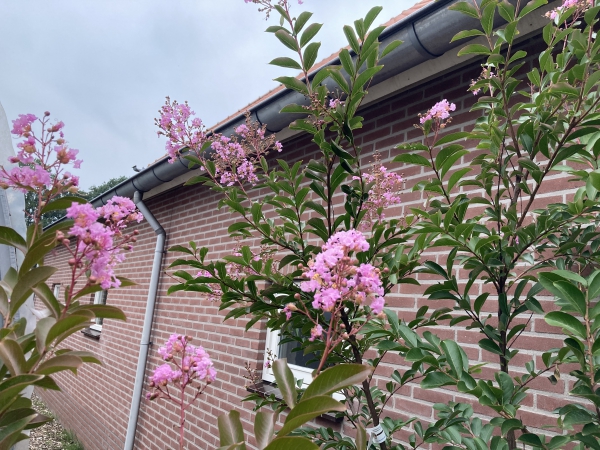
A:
x,y
104,67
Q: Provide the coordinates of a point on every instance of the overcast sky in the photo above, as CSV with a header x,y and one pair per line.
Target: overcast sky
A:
x,y
104,67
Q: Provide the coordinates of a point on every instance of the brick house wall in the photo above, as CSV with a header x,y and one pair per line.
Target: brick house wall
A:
x,y
96,403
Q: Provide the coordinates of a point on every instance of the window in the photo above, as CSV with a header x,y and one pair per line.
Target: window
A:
x,y
56,290
297,361
99,299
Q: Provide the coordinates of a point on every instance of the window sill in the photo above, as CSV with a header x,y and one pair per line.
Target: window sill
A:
x,y
93,334
265,388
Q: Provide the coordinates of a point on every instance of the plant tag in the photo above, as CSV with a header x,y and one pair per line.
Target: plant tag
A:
x,y
377,434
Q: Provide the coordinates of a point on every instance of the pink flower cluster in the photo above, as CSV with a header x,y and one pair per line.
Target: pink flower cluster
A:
x,y
191,363
217,293
39,168
383,193
236,158
100,246
440,111
335,277
581,6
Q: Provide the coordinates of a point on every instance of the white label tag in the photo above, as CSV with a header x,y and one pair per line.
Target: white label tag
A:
x,y
377,434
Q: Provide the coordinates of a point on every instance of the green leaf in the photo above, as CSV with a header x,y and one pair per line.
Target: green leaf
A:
x,y
301,21
511,424
292,443
285,381
62,203
352,39
310,54
310,33
390,48
347,62
487,18
12,356
563,88
455,357
15,427
8,236
457,176
102,311
44,294
60,363
308,410
231,431
287,39
293,83
361,437
41,332
474,49
436,379
452,137
286,62
264,428
411,158
466,34
340,152
336,378
566,322
465,8
29,280
67,326
371,16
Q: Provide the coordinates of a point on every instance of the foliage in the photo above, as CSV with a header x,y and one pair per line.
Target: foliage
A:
x,y
514,248
31,358
52,216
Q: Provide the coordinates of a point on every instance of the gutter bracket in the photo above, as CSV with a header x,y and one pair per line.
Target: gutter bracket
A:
x,y
418,46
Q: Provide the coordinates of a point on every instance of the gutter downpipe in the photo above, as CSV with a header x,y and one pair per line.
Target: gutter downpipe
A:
x,y
148,318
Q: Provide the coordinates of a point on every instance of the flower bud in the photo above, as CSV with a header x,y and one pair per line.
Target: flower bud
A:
x,y
93,279
66,242
72,262
296,296
136,232
291,307
73,189
345,336
60,141
189,338
46,113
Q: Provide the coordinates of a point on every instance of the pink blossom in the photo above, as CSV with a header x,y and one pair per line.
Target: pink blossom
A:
x,y
335,277
98,245
22,124
316,332
440,111
236,158
164,374
382,194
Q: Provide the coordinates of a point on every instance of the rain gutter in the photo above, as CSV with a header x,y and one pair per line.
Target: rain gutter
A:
x,y
426,35
149,315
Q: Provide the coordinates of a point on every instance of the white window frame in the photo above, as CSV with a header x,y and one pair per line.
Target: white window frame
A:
x,y
56,291
98,300
300,372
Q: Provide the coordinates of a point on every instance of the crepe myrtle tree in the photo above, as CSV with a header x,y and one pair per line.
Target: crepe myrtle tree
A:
x,y
504,236
95,239
334,291
326,275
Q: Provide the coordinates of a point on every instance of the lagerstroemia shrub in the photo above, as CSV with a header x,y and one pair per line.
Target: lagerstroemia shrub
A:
x,y
334,290
42,166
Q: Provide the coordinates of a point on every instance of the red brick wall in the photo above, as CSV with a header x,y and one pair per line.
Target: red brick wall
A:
x,y
96,403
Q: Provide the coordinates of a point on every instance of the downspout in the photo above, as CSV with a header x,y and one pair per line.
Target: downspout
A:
x,y
147,329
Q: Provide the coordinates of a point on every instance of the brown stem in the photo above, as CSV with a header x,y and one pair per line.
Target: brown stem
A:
x,y
365,384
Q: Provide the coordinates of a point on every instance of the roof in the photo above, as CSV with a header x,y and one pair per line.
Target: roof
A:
x,y
403,15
